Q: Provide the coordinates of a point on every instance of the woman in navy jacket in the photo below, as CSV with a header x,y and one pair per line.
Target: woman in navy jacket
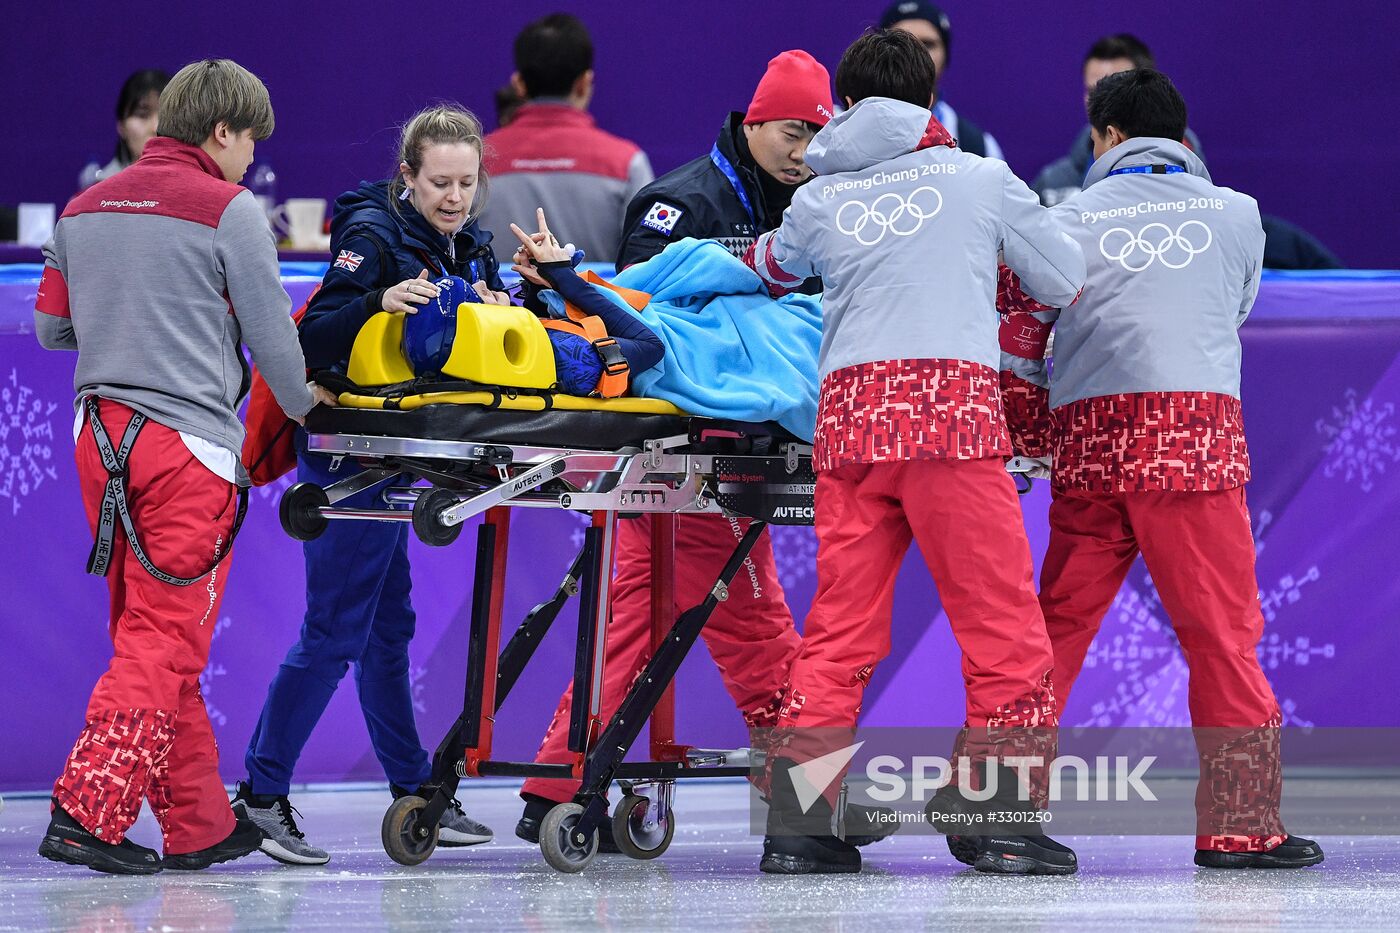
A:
x,y
388,241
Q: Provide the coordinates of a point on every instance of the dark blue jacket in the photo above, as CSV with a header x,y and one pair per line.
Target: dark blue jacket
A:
x,y
710,208
374,246
709,205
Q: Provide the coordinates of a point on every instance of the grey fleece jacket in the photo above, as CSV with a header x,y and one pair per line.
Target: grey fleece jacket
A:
x,y
155,276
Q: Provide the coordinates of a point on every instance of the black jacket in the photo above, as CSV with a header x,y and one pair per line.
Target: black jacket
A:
x,y
709,207
1287,246
373,247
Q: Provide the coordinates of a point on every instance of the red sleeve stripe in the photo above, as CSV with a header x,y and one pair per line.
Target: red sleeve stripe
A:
x,y
53,293
749,258
775,272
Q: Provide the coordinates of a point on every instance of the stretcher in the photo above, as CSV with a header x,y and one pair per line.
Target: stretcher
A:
x,y
442,457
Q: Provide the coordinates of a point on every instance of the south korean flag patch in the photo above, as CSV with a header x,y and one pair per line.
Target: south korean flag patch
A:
x,y
662,218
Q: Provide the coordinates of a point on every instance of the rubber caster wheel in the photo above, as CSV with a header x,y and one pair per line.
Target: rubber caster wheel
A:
x,y
299,510
635,835
406,841
426,523
559,842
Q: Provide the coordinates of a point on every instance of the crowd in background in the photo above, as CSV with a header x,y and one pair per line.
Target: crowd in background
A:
x,y
547,150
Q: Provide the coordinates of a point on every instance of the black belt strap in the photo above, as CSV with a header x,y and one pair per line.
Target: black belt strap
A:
x,y
114,504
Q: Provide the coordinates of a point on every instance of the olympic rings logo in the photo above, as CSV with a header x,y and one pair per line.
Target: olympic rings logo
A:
x,y
890,213
1156,241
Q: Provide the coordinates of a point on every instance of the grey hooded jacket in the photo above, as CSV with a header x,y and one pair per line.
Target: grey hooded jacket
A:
x,y
906,241
1173,269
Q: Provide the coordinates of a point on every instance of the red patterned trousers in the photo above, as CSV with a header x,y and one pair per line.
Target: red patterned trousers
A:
x,y
147,734
966,519
1199,551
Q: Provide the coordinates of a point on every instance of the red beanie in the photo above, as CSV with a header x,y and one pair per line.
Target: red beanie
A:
x,y
795,87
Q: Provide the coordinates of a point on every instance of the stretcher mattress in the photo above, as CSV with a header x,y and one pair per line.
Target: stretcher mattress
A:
x,y
542,421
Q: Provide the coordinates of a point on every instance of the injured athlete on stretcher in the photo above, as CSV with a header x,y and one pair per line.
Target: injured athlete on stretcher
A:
x,y
697,329
692,326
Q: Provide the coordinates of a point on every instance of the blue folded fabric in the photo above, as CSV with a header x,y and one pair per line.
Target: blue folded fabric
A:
x,y
731,351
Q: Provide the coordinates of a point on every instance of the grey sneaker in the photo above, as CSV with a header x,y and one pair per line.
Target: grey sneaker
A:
x,y
282,840
455,829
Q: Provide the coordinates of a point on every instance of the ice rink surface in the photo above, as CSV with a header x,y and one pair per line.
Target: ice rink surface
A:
x,y
707,880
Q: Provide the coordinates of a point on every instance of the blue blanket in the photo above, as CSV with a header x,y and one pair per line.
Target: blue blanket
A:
x,y
731,351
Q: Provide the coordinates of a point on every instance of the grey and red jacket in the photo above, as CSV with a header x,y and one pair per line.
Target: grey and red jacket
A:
x,y
1144,391
155,276
553,155
905,231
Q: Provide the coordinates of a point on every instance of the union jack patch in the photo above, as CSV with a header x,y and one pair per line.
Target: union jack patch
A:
x,y
348,261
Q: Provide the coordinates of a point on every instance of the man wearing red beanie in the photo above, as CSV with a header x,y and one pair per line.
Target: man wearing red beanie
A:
x,y
742,186
733,194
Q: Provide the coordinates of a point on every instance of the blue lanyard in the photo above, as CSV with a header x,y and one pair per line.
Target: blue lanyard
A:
x,y
1148,170
723,165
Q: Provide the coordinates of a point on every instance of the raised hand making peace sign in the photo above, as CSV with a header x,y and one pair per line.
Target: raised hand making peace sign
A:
x,y
538,248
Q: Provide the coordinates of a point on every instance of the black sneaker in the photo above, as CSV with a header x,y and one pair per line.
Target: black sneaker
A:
x,y
245,838
283,840
808,855
67,841
799,840
1024,855
965,848
948,811
1293,852
455,828
863,826
536,808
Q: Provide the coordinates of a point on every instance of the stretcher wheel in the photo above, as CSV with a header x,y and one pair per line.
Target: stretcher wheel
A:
x,y
634,838
299,511
426,522
558,843
407,841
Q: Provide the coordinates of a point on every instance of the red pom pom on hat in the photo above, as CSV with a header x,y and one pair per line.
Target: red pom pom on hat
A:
x,y
795,87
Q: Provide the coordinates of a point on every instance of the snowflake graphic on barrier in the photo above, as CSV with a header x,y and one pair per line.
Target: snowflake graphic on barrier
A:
x,y
26,442
1361,439
212,670
795,552
1287,591
1258,527
1289,709
1138,643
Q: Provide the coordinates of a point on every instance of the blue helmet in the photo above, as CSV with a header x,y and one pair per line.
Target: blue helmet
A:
x,y
428,335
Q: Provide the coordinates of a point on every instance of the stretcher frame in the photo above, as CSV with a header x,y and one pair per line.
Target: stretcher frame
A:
x,y
667,477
